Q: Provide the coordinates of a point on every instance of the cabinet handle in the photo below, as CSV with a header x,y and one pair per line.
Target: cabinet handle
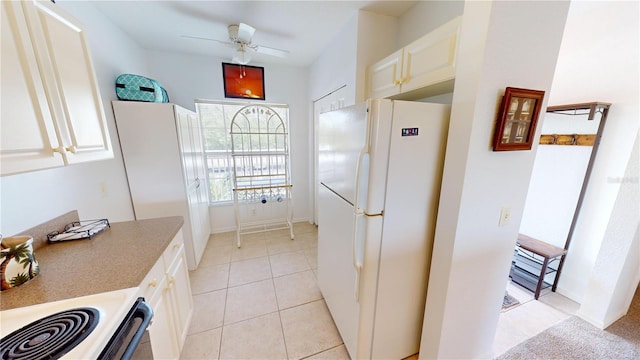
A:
x,y
59,149
72,149
172,280
176,246
153,283
397,82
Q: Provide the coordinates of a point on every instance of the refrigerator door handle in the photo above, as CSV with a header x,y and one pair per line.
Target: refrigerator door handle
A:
x,y
356,209
356,264
358,212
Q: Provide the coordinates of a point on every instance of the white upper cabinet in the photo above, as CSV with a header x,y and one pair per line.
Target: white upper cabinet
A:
x,y
52,113
426,64
385,75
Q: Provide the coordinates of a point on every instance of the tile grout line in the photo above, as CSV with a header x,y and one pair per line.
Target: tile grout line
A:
x,y
257,316
325,350
224,311
273,283
226,289
304,250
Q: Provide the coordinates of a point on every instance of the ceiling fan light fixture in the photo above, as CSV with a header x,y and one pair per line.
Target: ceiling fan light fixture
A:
x,y
241,56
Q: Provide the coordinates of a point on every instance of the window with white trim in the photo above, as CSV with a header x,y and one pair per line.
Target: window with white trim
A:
x,y
216,117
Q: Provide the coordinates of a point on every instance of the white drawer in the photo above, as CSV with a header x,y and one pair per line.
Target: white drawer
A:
x,y
172,251
151,282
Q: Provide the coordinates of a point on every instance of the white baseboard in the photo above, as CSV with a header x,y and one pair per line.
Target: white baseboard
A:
x,y
600,323
569,295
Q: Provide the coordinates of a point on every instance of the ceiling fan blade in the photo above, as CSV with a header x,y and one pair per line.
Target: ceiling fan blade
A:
x,y
245,32
207,39
270,51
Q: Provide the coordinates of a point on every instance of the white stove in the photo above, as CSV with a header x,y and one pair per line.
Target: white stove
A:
x,y
111,309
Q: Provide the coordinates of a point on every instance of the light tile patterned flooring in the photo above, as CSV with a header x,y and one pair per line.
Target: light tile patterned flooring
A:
x,y
261,301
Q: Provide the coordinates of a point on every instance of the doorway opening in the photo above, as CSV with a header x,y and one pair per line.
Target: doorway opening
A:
x,y
562,168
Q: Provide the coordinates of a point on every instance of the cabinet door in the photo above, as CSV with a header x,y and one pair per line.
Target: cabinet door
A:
x,y
28,136
187,148
200,167
431,59
201,189
384,76
182,301
204,224
69,72
194,226
199,219
164,342
195,177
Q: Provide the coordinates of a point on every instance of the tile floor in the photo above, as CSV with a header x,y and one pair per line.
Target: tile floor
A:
x,y
261,301
530,317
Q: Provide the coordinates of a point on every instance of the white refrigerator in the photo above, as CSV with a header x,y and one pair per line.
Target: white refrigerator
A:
x,y
380,170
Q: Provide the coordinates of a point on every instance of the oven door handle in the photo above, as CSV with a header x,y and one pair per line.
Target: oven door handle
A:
x,y
139,310
144,311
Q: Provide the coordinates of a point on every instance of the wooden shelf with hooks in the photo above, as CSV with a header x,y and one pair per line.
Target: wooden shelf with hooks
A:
x,y
568,139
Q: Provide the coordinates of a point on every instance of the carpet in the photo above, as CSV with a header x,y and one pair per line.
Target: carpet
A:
x,y
575,338
509,301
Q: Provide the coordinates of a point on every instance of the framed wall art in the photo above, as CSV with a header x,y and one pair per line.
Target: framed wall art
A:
x,y
517,119
243,81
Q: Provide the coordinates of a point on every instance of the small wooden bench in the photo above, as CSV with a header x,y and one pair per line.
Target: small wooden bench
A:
x,y
547,251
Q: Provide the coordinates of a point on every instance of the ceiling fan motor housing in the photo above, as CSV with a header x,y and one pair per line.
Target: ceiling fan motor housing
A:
x,y
241,33
240,38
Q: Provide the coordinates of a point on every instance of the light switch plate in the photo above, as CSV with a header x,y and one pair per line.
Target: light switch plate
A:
x,y
505,216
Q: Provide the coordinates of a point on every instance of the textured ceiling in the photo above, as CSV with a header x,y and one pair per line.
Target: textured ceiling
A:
x,y
304,28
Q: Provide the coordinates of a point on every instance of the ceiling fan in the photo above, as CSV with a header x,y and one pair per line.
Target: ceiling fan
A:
x,y
240,38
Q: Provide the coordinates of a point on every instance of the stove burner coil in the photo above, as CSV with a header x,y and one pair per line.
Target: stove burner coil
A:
x,y
50,337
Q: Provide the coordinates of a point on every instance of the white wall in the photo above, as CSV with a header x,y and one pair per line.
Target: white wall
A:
x,y
336,65
424,17
96,190
100,190
369,37
616,271
366,38
599,61
189,77
472,255
556,181
376,40
334,68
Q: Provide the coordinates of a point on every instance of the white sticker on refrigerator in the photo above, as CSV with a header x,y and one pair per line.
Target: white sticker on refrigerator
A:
x,y
409,131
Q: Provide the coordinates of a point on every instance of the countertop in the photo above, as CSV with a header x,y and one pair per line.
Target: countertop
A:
x,y
117,258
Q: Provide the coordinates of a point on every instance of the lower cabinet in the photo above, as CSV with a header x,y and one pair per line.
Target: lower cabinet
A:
x,y
181,298
164,342
167,290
